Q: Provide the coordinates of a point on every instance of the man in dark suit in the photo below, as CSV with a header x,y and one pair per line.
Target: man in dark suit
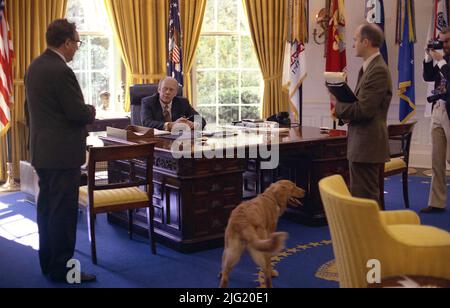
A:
x,y
368,146
163,110
58,118
436,69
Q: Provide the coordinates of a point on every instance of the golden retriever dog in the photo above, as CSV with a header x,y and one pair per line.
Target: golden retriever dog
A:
x,y
252,226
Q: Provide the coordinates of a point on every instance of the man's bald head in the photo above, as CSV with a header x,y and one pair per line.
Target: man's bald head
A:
x,y
373,34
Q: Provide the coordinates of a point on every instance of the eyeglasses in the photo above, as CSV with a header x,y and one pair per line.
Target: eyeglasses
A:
x,y
79,43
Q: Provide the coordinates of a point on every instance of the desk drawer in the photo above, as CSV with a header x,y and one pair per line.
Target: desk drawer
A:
x,y
224,185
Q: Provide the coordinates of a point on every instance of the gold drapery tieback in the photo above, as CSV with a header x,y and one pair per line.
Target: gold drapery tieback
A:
x,y
279,76
18,82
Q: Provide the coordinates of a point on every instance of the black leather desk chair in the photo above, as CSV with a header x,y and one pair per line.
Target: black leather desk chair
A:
x,y
137,93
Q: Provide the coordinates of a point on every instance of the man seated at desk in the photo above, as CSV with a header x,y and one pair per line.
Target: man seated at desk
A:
x,y
163,110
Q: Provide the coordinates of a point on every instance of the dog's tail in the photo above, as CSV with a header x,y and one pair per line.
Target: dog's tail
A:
x,y
273,245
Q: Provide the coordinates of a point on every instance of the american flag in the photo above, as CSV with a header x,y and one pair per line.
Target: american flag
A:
x,y
175,59
6,82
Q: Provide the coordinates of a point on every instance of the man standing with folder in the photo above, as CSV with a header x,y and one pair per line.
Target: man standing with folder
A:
x,y
368,146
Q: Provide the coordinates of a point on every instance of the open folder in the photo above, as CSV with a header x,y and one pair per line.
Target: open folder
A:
x,y
336,84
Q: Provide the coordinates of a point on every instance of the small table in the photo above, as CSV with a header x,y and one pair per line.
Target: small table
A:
x,y
412,282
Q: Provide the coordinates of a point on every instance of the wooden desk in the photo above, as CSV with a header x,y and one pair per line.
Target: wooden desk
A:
x,y
100,125
194,197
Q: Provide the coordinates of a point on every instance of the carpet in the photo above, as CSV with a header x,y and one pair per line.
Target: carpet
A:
x,y
125,263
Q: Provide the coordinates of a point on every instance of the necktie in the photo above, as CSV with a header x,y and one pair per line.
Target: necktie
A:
x,y
361,72
166,114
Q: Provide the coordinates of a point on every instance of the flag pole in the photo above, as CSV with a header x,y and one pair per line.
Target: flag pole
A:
x,y
10,184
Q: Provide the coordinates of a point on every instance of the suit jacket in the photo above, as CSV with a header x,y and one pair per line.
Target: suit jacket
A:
x,y
152,113
367,131
57,113
432,73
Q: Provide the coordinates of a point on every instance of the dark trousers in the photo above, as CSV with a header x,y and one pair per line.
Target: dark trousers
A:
x,y
57,213
365,180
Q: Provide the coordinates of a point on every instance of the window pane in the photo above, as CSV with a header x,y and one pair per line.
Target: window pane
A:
x,y
228,52
100,82
206,86
228,88
94,63
209,21
99,52
226,59
83,80
208,113
228,17
228,115
206,52
250,96
251,112
80,61
88,15
251,88
251,79
248,58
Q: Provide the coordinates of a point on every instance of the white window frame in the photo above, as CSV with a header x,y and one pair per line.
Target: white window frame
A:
x,y
239,70
114,71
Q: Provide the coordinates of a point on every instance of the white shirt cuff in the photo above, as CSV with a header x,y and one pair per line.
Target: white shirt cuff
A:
x,y
441,63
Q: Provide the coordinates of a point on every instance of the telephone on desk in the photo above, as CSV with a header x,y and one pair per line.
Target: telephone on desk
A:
x,y
282,118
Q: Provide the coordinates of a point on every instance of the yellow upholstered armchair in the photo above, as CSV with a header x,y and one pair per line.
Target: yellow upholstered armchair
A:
x,y
101,195
360,233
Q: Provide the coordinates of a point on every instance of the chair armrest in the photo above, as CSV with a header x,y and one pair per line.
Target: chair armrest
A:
x,y
400,218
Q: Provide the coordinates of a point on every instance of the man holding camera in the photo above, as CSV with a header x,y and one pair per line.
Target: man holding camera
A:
x,y
436,69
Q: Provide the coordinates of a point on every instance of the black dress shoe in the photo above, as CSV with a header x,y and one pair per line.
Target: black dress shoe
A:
x,y
85,277
431,210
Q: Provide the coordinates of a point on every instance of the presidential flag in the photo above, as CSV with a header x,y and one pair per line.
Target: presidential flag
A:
x,y
6,60
175,57
295,64
438,22
375,15
336,47
296,75
406,27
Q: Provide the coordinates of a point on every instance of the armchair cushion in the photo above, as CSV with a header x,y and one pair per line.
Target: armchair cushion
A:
x,y
420,236
103,198
395,164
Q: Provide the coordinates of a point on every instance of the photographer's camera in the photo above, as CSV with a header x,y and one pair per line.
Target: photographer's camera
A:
x,y
436,45
437,95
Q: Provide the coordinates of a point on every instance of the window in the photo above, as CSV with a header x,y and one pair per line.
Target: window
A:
x,y
228,82
96,63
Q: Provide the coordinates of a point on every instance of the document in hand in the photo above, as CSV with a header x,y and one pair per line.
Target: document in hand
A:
x,y
336,84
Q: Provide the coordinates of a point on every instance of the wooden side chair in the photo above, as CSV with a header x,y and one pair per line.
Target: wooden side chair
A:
x,y
102,196
400,136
